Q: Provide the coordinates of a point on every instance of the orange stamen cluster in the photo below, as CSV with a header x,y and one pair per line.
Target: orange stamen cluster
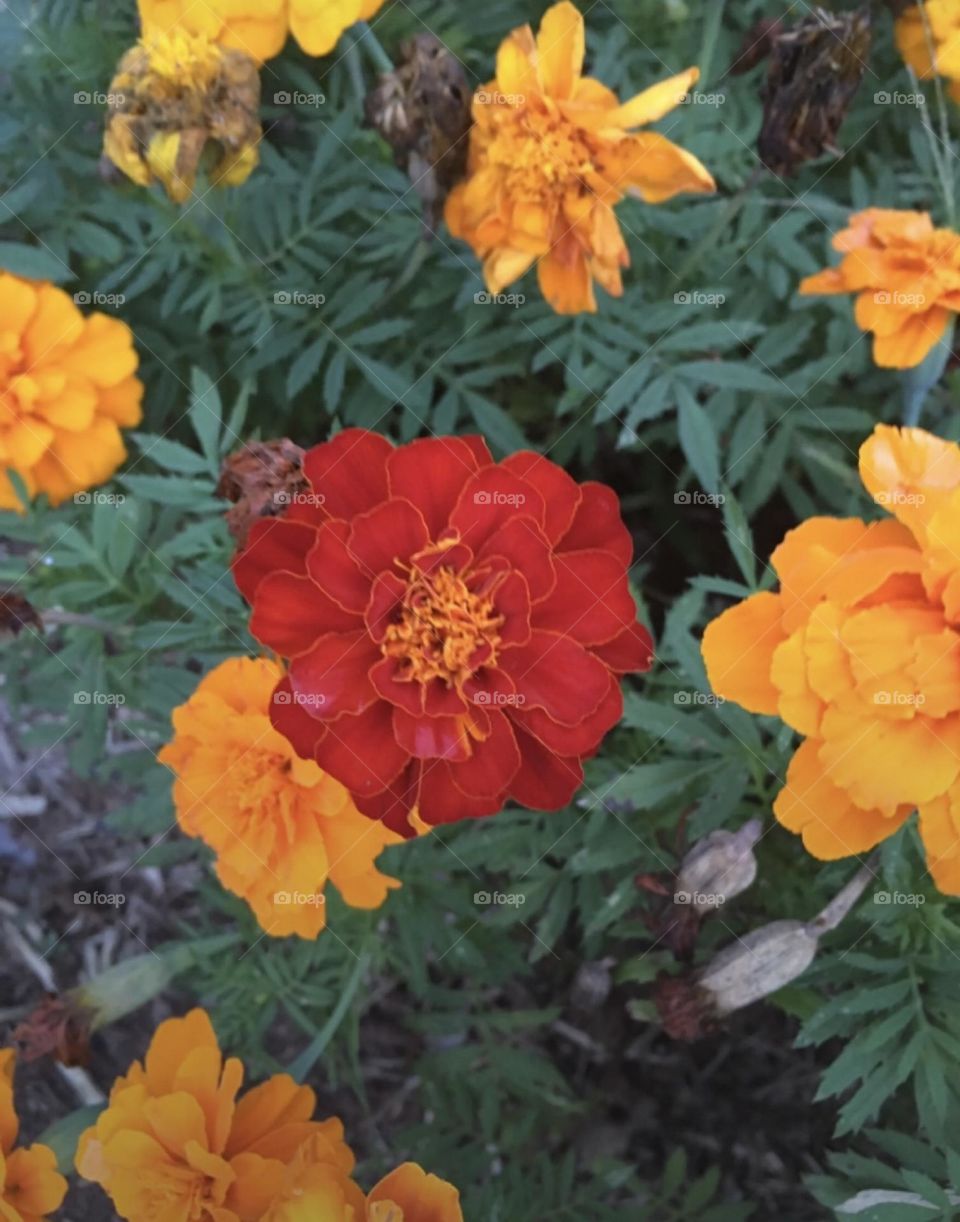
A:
x,y
445,629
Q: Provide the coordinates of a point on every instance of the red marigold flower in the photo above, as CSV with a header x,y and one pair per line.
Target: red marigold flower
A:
x,y
455,627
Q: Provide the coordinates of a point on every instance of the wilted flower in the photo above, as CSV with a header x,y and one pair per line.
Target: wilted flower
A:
x,y
816,67
261,479
176,1142
17,613
906,275
31,1188
719,867
456,627
67,385
260,27
551,152
941,34
422,110
174,94
280,827
860,652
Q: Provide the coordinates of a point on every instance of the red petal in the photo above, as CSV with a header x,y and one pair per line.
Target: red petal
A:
x,y
430,473
405,695
631,651
523,545
545,781
581,740
333,677
334,570
492,764
490,688
439,700
440,801
361,751
386,595
274,544
292,720
393,531
556,673
512,600
560,491
349,471
429,738
491,498
598,525
393,805
592,600
289,613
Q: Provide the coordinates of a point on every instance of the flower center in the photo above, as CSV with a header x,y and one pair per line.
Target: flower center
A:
x,y
539,149
182,60
445,630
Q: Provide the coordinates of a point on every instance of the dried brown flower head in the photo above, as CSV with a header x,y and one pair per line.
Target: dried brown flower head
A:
x,y
422,110
261,479
816,67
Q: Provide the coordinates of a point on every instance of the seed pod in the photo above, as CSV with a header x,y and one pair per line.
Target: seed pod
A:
x,y
718,867
757,965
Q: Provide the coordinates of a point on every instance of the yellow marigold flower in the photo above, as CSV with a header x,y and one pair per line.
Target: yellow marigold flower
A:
x,y
175,93
279,825
860,653
260,27
915,46
176,1142
67,385
906,275
30,1185
551,152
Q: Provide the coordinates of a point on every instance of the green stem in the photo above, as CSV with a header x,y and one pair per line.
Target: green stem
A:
x,y
301,1065
374,49
355,72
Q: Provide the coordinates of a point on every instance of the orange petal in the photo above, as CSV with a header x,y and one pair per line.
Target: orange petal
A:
x,y
738,648
560,49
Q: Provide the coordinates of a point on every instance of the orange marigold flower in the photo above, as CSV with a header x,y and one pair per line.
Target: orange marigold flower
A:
x,y
260,27
907,277
30,1185
279,825
551,152
860,653
943,40
67,385
176,1141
